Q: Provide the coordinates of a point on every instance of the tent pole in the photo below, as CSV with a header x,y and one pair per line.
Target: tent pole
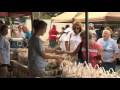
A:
x,y
32,23
86,37
10,22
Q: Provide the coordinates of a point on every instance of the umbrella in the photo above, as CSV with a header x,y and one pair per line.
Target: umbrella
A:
x,y
87,37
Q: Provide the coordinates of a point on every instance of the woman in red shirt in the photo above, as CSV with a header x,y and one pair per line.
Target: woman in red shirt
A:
x,y
94,50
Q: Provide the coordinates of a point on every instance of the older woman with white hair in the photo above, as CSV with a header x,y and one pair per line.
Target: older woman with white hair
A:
x,y
110,50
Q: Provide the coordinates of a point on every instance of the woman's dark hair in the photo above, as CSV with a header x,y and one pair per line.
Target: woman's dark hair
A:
x,y
38,24
3,26
102,28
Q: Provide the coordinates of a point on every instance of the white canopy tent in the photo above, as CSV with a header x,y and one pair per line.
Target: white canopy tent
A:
x,y
100,17
65,17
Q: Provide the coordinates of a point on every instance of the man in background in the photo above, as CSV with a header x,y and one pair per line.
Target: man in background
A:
x,y
53,36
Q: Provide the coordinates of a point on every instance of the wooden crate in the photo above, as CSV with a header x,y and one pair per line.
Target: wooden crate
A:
x,y
19,70
13,53
23,56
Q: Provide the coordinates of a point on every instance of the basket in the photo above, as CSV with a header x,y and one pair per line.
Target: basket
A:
x,y
20,70
13,54
23,56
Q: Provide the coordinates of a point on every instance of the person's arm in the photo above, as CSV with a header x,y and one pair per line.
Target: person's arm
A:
x,y
116,51
50,50
100,52
75,52
99,48
59,43
67,45
46,56
67,39
56,50
42,51
28,35
113,58
119,46
1,46
58,32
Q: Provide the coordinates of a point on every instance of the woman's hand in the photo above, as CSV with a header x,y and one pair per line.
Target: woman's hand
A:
x,y
58,48
111,61
25,40
59,52
59,58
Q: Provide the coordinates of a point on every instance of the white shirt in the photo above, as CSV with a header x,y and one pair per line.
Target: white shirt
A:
x,y
68,36
68,30
4,50
64,37
62,41
74,41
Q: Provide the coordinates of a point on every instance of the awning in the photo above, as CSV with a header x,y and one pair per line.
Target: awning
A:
x,y
15,14
100,17
66,17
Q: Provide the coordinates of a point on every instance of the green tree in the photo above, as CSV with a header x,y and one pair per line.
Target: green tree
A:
x,y
49,14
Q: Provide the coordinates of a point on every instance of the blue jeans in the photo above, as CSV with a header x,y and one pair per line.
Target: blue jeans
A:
x,y
52,43
108,65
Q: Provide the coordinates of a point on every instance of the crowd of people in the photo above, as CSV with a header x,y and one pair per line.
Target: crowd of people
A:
x,y
71,41
103,48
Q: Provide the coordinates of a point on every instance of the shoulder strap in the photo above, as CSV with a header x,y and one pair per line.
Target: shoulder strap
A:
x,y
70,36
61,34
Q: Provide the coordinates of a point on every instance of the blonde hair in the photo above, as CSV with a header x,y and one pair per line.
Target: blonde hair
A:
x,y
77,23
82,34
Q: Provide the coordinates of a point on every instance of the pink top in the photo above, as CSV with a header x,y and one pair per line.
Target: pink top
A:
x,y
93,51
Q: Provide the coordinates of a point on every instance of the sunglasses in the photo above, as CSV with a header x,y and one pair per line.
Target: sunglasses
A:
x,y
76,28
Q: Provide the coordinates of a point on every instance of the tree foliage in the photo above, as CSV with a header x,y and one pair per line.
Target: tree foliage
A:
x,y
51,14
